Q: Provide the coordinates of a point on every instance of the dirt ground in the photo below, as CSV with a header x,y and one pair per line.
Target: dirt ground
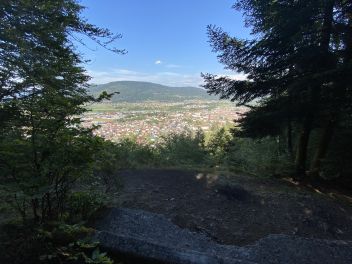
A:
x,y
235,209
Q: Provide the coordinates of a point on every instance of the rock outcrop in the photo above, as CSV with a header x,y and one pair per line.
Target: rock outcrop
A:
x,y
153,236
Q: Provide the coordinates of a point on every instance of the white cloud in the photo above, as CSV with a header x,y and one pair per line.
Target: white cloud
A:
x,y
158,62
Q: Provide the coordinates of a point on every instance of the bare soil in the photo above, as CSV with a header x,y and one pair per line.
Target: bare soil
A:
x,y
235,209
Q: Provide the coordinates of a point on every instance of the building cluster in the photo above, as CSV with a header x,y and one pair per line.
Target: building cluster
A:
x,y
150,125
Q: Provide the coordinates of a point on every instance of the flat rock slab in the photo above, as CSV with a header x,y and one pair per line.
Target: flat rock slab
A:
x,y
153,236
235,209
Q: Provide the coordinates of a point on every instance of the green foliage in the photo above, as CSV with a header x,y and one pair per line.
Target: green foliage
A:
x,y
183,149
297,65
44,149
82,205
130,154
218,146
339,168
173,150
105,168
125,154
44,169
54,243
262,157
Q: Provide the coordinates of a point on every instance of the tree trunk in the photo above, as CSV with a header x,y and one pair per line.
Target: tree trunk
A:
x,y
50,215
325,139
322,147
327,25
289,128
302,149
289,139
35,209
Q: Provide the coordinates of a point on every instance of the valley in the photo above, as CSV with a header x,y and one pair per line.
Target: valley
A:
x,y
149,121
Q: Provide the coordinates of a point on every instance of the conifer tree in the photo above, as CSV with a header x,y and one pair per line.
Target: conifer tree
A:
x,y
295,67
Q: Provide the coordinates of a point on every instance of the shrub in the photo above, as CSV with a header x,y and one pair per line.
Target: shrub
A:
x,y
83,204
54,244
107,163
217,146
183,149
261,157
130,154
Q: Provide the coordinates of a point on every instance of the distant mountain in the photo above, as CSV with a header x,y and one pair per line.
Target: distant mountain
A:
x,y
131,91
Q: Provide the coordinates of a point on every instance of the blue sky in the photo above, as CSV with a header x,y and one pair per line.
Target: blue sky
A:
x,y
166,40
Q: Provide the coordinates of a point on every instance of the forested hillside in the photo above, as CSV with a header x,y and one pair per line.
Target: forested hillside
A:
x,y
130,91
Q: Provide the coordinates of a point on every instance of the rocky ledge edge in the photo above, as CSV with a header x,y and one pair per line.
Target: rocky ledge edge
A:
x,y
154,237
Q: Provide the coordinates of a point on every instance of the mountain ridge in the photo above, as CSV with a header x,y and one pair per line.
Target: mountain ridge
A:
x,y
135,91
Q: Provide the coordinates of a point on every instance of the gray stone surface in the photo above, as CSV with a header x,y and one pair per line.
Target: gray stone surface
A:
x,y
150,235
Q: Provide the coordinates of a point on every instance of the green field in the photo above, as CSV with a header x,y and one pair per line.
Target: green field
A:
x,y
159,106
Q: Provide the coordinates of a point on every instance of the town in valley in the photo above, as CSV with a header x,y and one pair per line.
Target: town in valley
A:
x,y
148,122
